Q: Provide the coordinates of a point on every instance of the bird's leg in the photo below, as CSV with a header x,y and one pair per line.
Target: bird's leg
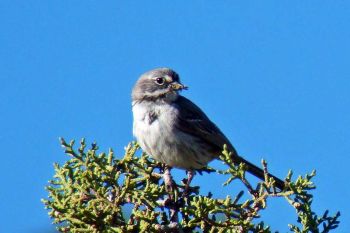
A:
x,y
170,187
168,179
190,175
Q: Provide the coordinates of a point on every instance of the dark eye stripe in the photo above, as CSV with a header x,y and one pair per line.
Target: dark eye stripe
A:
x,y
175,77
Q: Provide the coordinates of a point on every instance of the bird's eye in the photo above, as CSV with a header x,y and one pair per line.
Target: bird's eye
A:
x,y
160,81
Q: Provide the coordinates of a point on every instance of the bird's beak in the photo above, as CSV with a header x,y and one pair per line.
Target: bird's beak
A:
x,y
176,86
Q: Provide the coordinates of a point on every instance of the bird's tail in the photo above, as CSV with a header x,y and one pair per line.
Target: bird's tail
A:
x,y
258,172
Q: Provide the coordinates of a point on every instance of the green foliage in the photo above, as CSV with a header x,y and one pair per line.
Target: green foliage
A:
x,y
94,192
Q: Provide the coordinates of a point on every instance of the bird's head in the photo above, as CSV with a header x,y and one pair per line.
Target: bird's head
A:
x,y
158,84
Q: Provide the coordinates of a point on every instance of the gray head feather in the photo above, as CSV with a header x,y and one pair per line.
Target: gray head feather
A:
x,y
156,85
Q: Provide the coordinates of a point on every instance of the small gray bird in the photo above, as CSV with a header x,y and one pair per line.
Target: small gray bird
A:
x,y
175,131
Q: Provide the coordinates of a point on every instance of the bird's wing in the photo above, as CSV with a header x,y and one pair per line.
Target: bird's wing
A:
x,y
192,120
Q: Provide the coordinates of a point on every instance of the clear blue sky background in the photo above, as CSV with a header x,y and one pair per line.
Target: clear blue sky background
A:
x,y
274,76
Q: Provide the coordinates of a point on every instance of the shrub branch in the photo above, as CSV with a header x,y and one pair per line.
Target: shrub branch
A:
x,y
98,192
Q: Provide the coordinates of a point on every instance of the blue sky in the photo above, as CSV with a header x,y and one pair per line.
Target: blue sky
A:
x,y
273,75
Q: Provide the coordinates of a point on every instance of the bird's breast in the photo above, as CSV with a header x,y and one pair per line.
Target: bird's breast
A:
x,y
153,124
155,131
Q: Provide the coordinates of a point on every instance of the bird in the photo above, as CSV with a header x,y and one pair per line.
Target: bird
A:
x,y
174,130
